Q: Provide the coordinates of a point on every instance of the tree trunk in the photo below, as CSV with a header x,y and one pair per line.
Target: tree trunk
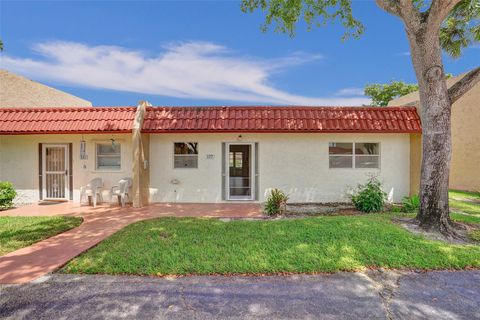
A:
x,y
436,134
437,145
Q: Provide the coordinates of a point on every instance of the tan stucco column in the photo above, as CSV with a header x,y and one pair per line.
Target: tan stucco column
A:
x,y
415,162
140,160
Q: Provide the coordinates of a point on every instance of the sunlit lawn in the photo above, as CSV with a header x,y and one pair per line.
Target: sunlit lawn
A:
x,y
466,202
204,246
465,207
19,232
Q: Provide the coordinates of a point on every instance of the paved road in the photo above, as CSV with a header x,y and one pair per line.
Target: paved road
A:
x,y
371,295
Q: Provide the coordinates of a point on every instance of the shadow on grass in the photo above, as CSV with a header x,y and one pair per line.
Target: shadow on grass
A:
x,y
321,244
19,232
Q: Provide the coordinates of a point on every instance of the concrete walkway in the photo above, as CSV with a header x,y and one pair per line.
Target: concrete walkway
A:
x,y
371,295
46,256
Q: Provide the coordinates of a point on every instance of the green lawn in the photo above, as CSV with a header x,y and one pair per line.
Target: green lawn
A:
x,y
205,246
465,202
465,207
19,232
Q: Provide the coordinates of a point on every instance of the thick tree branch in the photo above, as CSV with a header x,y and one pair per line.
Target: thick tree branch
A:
x,y
439,10
391,6
410,15
464,85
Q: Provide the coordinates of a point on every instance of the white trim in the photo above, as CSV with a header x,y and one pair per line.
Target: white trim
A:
x,y
252,172
66,172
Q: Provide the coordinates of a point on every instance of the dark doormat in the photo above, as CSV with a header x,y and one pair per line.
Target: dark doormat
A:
x,y
48,203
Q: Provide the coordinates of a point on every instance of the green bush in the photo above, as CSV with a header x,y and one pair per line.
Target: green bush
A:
x,y
369,197
7,194
276,202
410,204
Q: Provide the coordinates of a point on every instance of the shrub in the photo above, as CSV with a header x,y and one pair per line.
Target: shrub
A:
x,y
410,204
276,202
369,197
7,194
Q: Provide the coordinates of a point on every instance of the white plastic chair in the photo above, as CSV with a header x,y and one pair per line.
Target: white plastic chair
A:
x,y
93,189
121,191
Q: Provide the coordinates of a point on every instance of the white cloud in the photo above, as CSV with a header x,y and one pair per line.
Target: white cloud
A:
x,y
195,70
350,92
404,54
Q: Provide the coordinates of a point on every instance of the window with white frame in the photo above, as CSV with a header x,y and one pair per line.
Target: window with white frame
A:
x,y
354,155
108,156
185,155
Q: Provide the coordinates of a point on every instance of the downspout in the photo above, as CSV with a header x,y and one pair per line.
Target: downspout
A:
x,y
138,156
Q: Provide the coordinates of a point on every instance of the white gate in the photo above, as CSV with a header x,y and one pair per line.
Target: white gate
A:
x,y
55,169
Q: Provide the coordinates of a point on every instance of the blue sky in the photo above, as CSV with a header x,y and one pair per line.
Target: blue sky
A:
x,y
200,53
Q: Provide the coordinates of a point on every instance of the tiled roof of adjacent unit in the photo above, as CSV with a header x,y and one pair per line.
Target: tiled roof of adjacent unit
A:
x,y
211,119
66,120
282,119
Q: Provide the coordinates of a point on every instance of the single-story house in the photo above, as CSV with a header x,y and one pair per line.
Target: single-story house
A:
x,y
208,154
464,173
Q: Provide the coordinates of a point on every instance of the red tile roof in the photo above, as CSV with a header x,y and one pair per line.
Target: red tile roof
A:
x,y
66,120
282,119
208,119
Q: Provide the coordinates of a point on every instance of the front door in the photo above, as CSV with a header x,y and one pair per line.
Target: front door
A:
x,y
55,169
240,172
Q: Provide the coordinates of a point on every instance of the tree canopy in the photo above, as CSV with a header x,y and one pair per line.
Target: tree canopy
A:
x,y
382,94
459,30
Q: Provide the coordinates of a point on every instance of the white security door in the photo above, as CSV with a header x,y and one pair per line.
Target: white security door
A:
x,y
55,168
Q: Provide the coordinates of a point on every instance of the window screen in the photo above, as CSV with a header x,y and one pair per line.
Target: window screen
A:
x,y
340,155
108,156
354,155
185,155
367,155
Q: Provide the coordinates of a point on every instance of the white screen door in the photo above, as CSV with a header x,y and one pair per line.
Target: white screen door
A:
x,y
55,169
240,169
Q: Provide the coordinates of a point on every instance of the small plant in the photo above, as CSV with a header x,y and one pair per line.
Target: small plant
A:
x,y
276,202
7,194
396,209
369,197
410,204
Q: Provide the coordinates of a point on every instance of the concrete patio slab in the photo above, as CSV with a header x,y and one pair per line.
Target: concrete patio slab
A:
x,y
46,256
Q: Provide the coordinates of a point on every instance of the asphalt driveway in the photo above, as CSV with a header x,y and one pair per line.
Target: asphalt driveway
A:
x,y
370,295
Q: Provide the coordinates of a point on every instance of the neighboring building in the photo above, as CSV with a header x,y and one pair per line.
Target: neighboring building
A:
x,y
464,172
19,92
207,154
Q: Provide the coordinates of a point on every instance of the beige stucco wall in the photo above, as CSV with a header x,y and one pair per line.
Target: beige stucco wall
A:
x,y
415,162
19,92
296,163
145,170
19,162
464,173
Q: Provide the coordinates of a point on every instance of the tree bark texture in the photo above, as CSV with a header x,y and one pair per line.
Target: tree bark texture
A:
x,y
426,55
